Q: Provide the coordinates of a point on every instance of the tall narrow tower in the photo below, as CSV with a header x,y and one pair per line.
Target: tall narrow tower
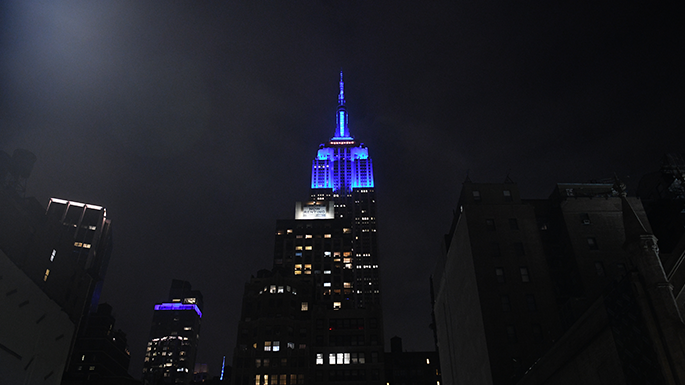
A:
x,y
343,172
316,317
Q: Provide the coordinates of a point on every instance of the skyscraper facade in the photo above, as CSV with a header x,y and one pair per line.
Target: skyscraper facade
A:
x,y
316,317
174,336
343,172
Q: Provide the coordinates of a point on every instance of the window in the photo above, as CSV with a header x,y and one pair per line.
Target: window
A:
x,y
319,358
337,305
476,195
490,224
47,273
267,346
507,195
511,334
513,224
599,268
304,306
592,244
499,272
52,255
530,302
506,305
525,277
585,219
275,346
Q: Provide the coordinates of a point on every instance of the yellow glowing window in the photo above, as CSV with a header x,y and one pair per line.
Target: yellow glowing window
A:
x,y
298,247
308,236
304,306
307,247
289,231
47,272
327,235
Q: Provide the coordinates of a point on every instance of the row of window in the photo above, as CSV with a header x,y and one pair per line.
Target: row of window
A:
x,y
278,379
341,358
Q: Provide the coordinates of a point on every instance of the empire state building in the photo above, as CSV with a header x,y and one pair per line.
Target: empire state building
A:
x,y
316,318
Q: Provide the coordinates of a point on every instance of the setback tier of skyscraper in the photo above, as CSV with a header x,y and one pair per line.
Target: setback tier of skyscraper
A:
x,y
315,318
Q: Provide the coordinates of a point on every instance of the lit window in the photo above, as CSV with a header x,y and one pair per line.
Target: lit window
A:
x,y
187,328
52,255
267,346
337,305
289,231
319,359
331,358
47,272
326,284
298,247
280,290
275,346
307,247
308,236
272,289
428,361
304,306
327,235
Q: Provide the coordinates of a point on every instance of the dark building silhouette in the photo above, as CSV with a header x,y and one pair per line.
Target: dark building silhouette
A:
x,y
411,368
54,263
100,354
174,336
320,305
561,279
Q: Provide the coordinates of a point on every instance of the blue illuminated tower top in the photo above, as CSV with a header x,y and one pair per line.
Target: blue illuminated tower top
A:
x,y
342,130
342,164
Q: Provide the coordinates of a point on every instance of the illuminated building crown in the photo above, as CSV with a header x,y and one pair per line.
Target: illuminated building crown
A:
x,y
342,165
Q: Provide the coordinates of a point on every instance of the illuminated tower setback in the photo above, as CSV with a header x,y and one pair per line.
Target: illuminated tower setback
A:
x,y
316,317
174,336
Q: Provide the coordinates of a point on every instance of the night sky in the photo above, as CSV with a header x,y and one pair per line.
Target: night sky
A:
x,y
195,125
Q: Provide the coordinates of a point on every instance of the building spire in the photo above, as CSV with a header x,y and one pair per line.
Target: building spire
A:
x,y
341,131
341,95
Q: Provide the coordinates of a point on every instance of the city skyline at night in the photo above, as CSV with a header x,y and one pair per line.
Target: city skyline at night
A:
x,y
197,125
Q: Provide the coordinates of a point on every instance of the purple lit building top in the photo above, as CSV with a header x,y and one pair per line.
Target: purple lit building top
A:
x,y
342,165
178,306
